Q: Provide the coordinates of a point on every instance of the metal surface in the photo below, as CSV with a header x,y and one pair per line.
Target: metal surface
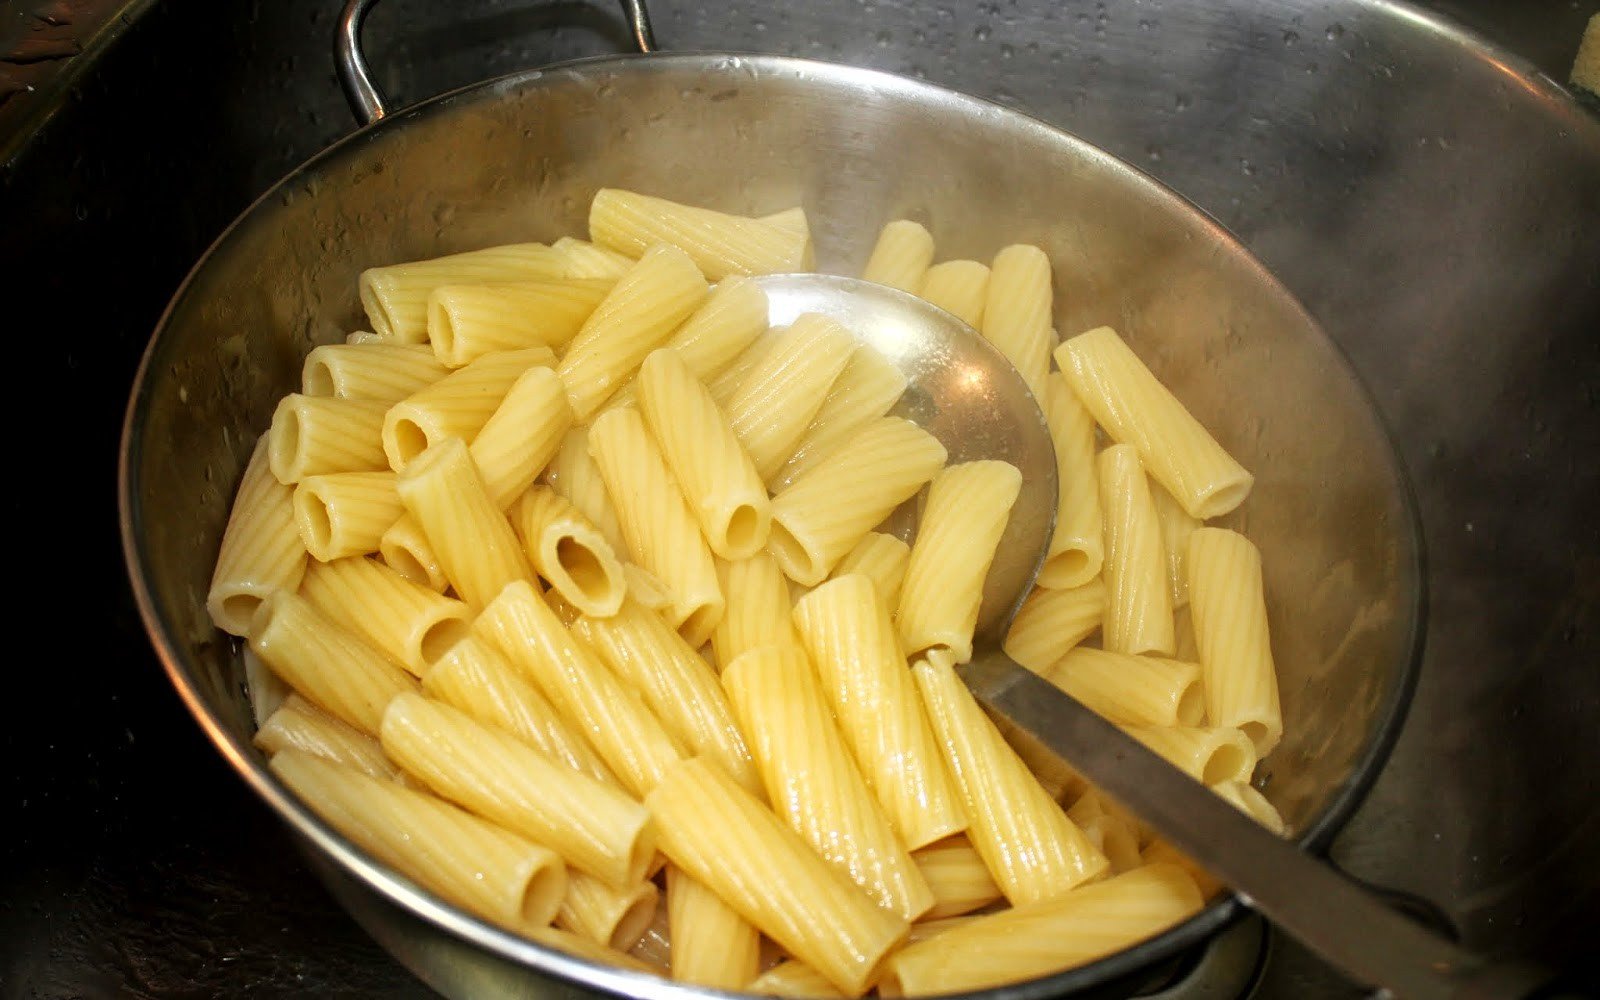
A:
x,y
960,389
1423,193
520,158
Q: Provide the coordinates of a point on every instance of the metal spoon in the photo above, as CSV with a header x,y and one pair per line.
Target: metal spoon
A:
x,y
966,394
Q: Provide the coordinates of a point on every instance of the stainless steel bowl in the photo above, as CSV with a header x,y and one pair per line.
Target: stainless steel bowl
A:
x,y
519,157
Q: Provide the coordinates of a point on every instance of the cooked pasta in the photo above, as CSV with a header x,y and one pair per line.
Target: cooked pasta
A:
x,y
1051,622
882,558
300,726
721,244
381,371
1138,611
466,322
1017,310
569,552
779,396
411,624
901,256
313,435
1077,546
395,296
1229,611
343,514
959,287
457,405
261,552
522,435
712,945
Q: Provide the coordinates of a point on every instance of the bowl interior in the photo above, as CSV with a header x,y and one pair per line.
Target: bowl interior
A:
x,y
518,159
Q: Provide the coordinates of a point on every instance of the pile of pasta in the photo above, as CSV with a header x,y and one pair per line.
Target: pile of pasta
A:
x,y
566,594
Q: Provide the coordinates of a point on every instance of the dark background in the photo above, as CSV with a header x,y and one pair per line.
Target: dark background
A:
x,y
134,863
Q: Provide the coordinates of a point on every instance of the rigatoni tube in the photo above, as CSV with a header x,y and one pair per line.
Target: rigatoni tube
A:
x,y
261,552
1228,606
1138,615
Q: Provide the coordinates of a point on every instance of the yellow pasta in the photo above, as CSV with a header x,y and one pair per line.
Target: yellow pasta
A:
x,y
522,435
719,243
583,259
1138,614
476,865
1033,851
901,256
636,316
395,296
1176,527
381,371
573,474
612,916
778,397
712,945
594,826
718,479
476,677
1136,409
813,782
1017,311
1209,754
727,322
474,543
791,978
758,609
343,514
313,435
881,557
331,666
676,684
955,872
725,838
1229,611
569,552
847,632
968,506
823,514
1051,622
466,322
958,287
1077,546
411,624
1159,852
661,534
300,726
1036,940
404,548
1132,690
630,739
1244,797
457,405
865,390
261,551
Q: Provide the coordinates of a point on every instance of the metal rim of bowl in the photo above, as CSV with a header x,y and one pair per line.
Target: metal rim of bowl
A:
x,y
402,891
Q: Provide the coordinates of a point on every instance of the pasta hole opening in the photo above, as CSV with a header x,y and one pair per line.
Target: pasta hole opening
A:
x,y
584,568
635,920
377,311
405,562
1191,706
744,529
283,443
440,636
1257,732
315,521
1222,500
409,439
239,611
441,329
1226,763
1064,568
542,895
317,379
792,556
696,629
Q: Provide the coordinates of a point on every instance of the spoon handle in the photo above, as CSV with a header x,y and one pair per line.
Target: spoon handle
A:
x,y
1342,922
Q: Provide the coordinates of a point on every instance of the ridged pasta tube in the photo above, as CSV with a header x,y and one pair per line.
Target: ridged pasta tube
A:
x,y
1077,546
1138,615
301,726
261,551
343,514
457,405
476,548
573,474
1209,754
1051,622
1032,941
712,945
522,435
1132,690
1135,408
812,780
1244,797
883,558
628,737
405,549
724,837
383,372
865,390
958,287
466,322
718,479
314,435
585,260
758,608
474,864
476,677
569,552
1018,306
636,316
793,978
1229,610
329,665
411,624
662,535
613,916
1176,527
594,826
823,514
847,632
1033,851
968,506
780,395
721,244
901,256
395,296
955,872
727,322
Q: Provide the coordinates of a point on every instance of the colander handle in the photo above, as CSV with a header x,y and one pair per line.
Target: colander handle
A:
x,y
355,76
